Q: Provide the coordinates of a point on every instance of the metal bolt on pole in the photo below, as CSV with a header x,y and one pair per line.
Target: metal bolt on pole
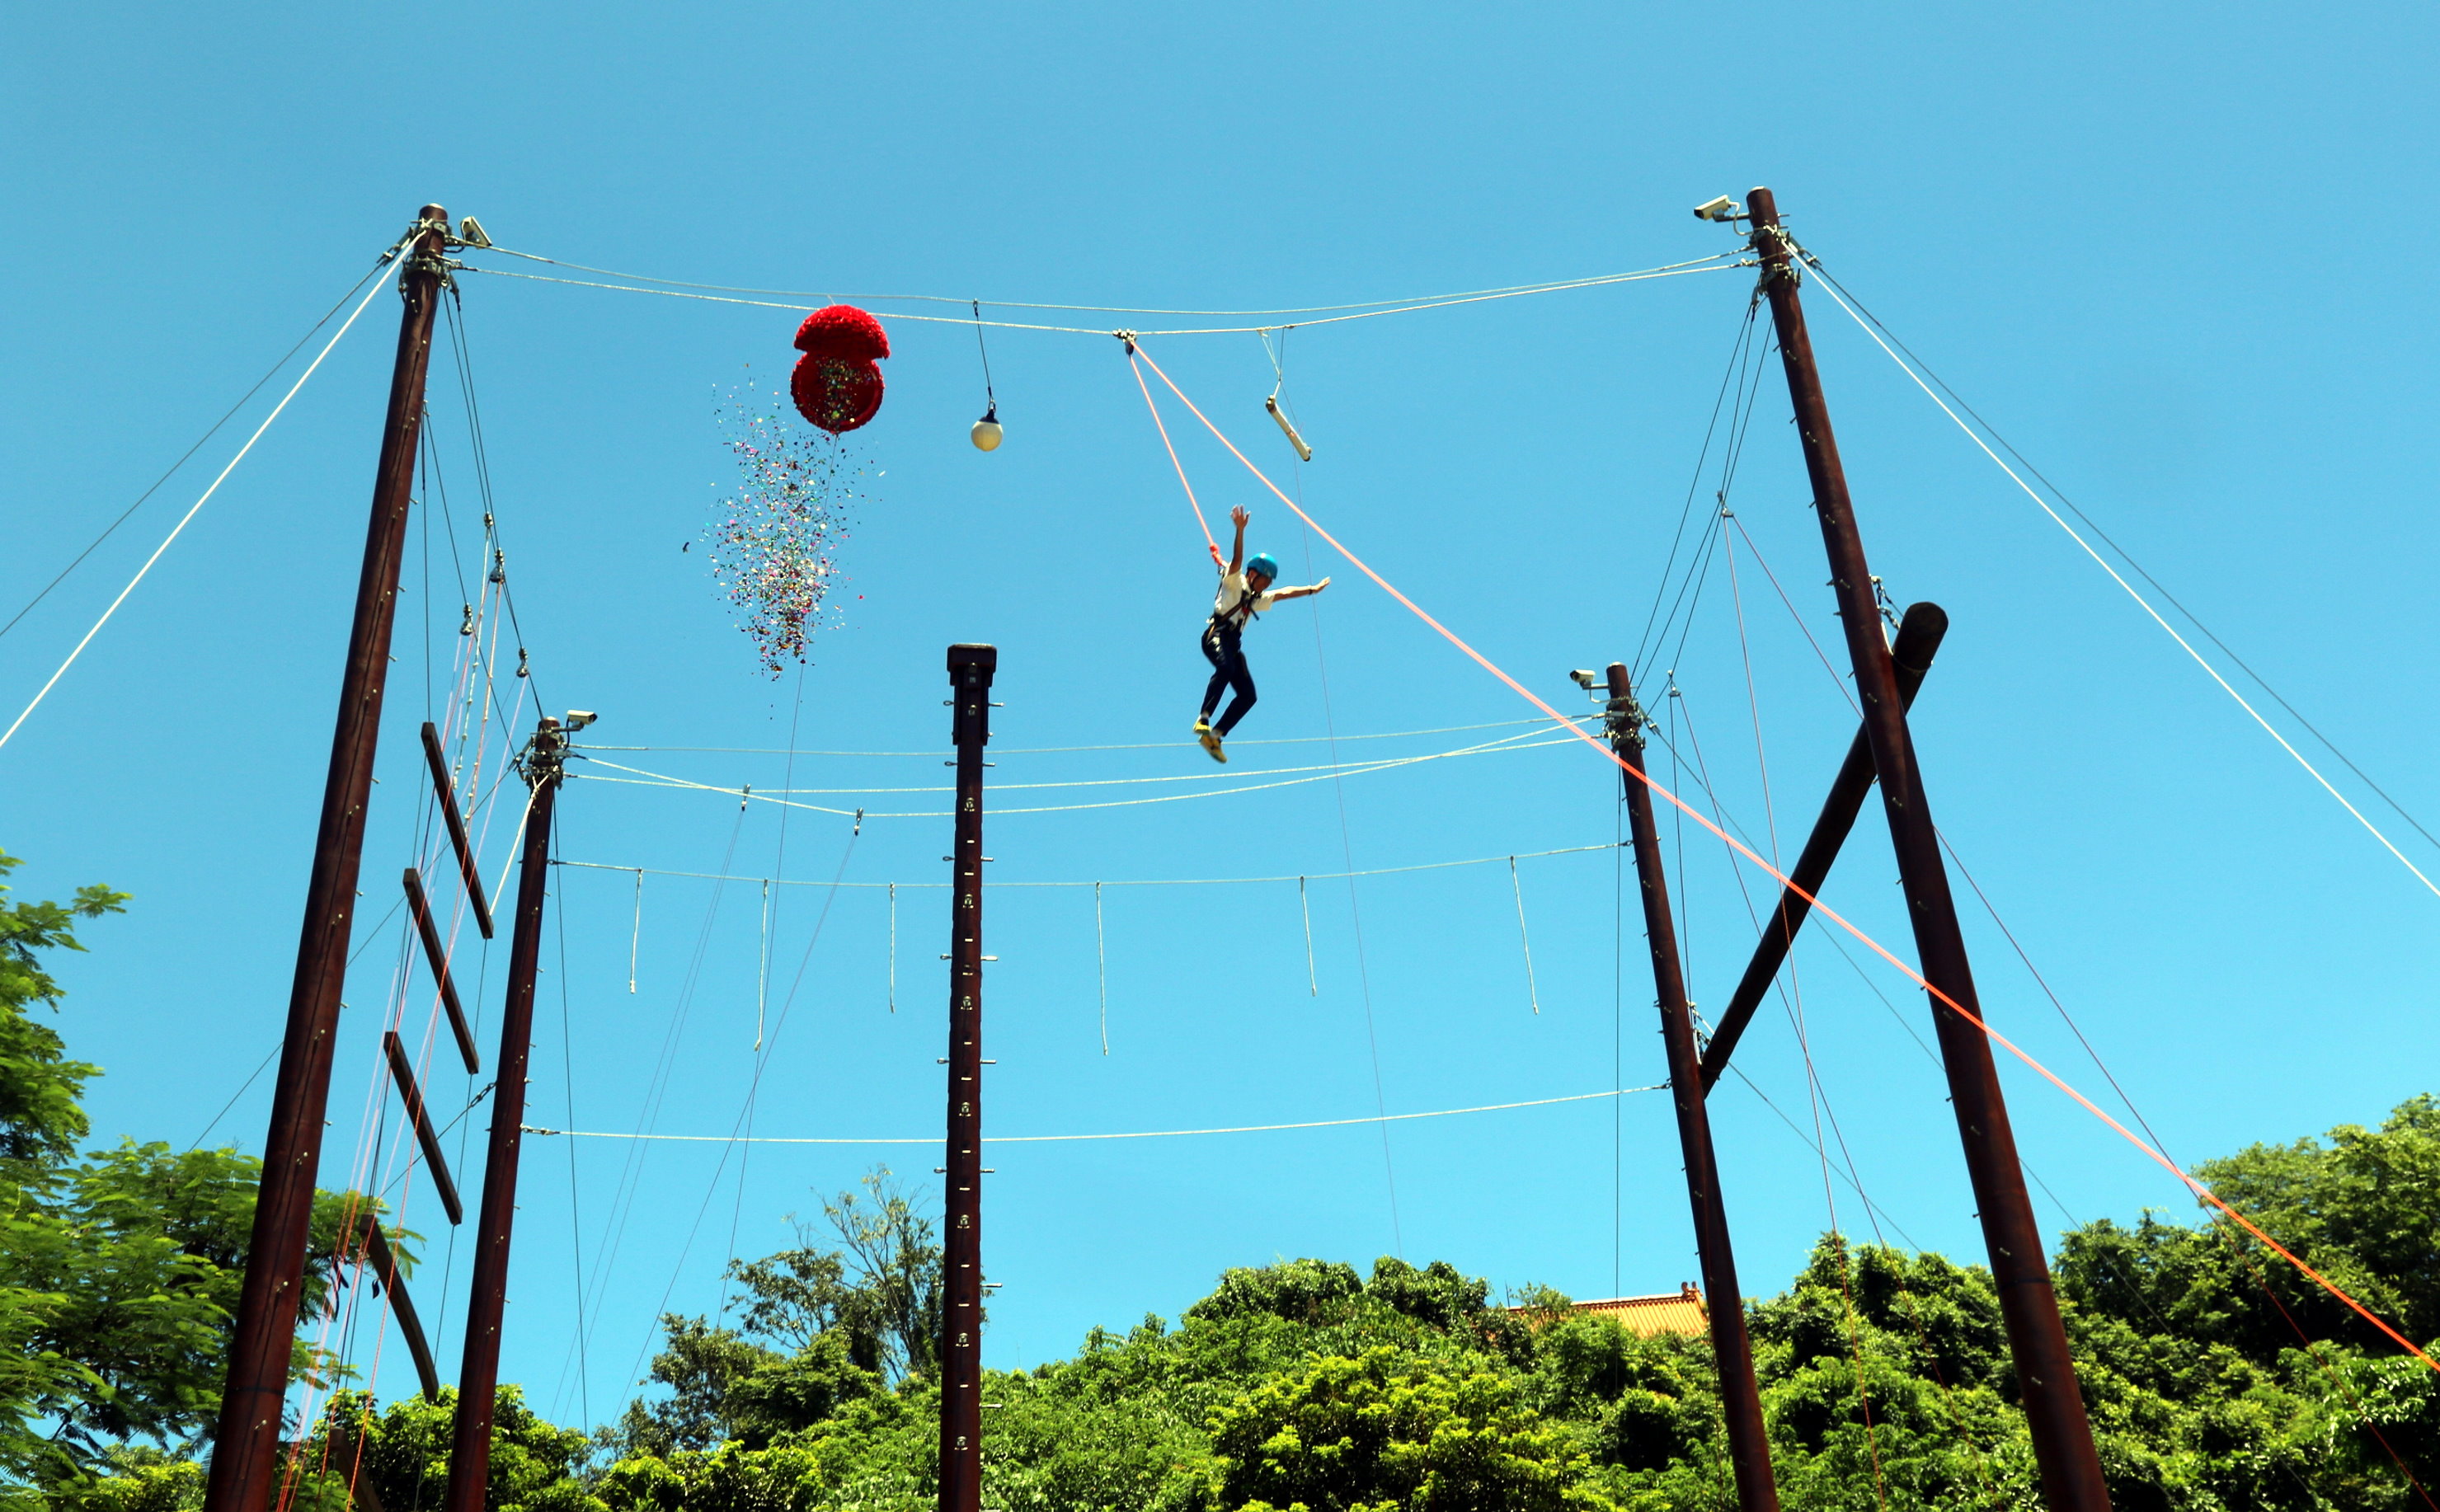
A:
x,y
487,1294
1732,1352
245,1445
961,1343
2062,1435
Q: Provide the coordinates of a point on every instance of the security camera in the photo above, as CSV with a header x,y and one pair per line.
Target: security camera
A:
x,y
578,718
1722,208
1586,678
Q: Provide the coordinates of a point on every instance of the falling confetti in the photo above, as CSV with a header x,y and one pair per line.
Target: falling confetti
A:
x,y
774,541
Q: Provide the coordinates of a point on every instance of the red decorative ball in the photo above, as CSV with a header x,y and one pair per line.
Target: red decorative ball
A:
x,y
837,393
842,330
835,385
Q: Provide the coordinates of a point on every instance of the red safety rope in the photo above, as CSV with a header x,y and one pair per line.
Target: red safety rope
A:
x,y
1818,906
1212,546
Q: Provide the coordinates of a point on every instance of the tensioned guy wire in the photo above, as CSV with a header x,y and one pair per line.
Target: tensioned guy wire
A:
x,y
269,373
196,508
2146,604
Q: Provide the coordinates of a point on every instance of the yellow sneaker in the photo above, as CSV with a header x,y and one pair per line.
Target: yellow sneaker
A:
x,y
1211,742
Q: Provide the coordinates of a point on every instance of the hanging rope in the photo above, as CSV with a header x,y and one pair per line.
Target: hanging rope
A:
x,y
1532,990
1102,966
1200,524
1312,983
990,400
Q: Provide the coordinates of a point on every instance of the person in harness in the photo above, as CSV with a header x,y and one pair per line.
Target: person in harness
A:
x,y
1246,590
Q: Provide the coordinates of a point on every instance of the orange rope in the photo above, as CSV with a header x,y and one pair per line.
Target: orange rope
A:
x,y
1824,910
1208,542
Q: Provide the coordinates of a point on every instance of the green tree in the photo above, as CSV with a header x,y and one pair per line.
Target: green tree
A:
x,y
1381,1432
118,1270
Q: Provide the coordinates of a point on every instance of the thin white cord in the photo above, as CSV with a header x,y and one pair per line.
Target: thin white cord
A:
x,y
1102,962
185,519
1532,990
1069,1139
657,779
636,940
1312,983
2144,603
893,945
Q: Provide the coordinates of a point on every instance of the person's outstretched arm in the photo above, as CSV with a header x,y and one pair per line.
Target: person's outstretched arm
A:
x,y
1306,592
1237,548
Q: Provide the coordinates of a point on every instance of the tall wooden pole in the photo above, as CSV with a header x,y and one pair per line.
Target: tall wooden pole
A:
x,y
1740,1398
245,1446
487,1294
2062,1437
962,1258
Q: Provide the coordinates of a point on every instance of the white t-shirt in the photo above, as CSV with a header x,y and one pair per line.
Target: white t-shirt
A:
x,y
1235,605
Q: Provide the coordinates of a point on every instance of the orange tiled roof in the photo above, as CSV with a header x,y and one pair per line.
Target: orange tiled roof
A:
x,y
1677,1312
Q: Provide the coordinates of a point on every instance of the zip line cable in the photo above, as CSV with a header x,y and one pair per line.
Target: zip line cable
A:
x,y
1640,277
2197,1188
2146,604
189,517
1718,262
184,458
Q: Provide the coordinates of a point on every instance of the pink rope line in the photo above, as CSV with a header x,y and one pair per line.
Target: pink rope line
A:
x,y
1212,546
1824,910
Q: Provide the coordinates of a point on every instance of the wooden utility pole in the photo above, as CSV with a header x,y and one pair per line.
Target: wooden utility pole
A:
x,y
245,1445
962,1252
1732,1352
2062,1437
487,1295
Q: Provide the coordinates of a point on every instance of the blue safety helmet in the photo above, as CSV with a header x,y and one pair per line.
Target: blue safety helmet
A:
x,y
1266,564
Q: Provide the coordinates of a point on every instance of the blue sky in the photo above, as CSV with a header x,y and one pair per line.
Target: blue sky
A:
x,y
2163,247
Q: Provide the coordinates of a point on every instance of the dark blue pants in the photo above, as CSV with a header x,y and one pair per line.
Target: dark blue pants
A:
x,y
1227,659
